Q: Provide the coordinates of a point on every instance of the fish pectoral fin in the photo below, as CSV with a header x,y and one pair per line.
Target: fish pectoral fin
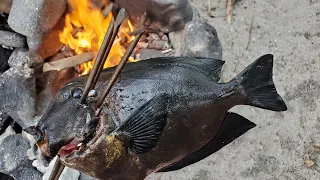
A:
x,y
232,128
145,126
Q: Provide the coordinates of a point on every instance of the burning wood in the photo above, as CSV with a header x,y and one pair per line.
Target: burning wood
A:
x,y
85,34
68,62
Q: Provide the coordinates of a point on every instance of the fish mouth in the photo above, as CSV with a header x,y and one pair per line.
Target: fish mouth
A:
x,y
89,136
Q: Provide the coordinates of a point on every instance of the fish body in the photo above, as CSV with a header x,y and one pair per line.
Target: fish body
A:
x,y
158,113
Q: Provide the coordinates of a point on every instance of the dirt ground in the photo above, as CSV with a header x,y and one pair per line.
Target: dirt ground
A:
x,y
281,143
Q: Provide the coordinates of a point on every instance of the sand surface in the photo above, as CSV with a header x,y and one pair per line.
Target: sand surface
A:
x,y
280,144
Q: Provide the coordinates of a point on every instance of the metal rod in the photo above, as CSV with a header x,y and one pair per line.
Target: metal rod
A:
x,y
57,170
98,61
118,71
120,17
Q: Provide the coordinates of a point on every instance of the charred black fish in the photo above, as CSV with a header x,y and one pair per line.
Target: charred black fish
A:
x,y
161,115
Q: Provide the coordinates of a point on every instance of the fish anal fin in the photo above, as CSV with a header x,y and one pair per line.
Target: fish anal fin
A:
x,y
233,127
144,127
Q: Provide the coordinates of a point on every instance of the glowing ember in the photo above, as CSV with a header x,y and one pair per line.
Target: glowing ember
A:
x,y
85,29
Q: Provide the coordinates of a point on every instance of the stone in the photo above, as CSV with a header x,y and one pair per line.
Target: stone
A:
x,y
5,6
149,53
8,132
13,159
13,153
202,40
18,90
27,173
4,57
197,39
32,18
48,44
12,39
164,15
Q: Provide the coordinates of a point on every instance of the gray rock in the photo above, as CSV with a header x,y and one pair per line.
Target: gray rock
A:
x,y
18,86
8,132
197,39
48,44
27,173
13,151
165,15
5,6
31,18
23,59
149,53
13,159
12,39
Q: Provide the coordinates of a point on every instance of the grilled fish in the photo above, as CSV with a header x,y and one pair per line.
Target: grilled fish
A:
x,y
162,114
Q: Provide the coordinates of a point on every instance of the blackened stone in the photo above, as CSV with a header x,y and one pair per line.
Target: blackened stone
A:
x,y
198,39
5,121
31,18
165,15
12,39
5,177
4,57
4,22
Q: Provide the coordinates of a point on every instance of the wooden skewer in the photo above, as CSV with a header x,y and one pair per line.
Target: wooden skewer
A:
x,y
57,170
97,63
117,72
68,62
120,17
103,54
230,4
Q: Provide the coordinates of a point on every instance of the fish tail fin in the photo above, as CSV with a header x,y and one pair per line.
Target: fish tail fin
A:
x,y
257,83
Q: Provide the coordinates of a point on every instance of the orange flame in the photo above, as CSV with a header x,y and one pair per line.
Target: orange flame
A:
x,y
85,29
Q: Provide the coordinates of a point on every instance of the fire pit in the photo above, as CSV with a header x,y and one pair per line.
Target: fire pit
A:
x,y
46,43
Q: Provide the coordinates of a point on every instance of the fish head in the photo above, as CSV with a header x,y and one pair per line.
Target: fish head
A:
x,y
105,153
63,121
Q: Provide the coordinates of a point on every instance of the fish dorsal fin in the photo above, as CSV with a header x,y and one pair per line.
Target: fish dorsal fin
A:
x,y
145,126
211,66
233,127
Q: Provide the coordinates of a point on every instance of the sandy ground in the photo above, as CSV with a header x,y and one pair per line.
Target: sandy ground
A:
x,y
278,147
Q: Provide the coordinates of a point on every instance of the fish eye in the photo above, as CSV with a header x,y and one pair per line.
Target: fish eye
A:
x,y
76,93
66,95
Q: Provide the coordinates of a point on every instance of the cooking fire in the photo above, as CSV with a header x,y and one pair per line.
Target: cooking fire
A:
x,y
83,34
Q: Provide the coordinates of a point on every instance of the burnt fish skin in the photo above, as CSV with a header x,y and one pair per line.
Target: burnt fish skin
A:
x,y
232,127
158,113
